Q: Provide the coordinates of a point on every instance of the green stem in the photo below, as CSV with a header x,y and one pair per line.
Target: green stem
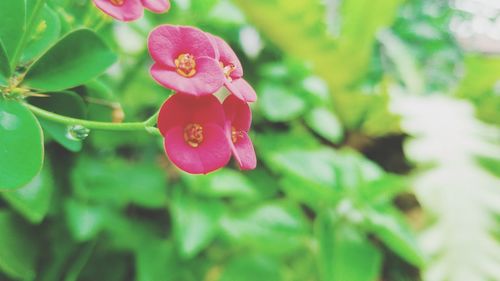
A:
x,y
27,33
95,125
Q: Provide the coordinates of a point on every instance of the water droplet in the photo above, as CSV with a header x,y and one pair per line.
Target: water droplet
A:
x,y
77,132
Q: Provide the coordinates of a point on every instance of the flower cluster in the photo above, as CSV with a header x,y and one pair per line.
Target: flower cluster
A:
x,y
200,131
130,10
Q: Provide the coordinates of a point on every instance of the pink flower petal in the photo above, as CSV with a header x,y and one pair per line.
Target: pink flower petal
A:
x,y
156,6
244,152
182,109
208,79
238,113
129,11
228,56
213,153
174,112
241,89
167,42
208,110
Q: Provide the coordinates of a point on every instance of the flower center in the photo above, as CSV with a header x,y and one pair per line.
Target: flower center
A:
x,y
117,2
228,69
235,134
193,134
186,65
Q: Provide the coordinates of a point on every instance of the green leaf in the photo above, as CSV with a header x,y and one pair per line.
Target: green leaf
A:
x,y
200,7
345,254
66,104
309,176
33,200
273,141
300,31
490,164
326,124
129,233
279,104
387,224
250,268
315,166
156,260
273,228
195,222
118,182
224,183
384,190
482,72
481,75
84,220
3,81
367,112
52,269
46,33
12,24
21,145
18,250
304,191
77,58
356,170
98,89
341,57
4,62
75,269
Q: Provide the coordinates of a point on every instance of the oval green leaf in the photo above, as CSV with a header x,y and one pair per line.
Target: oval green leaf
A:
x,y
342,246
273,228
46,33
32,201
12,24
224,184
84,221
195,223
21,145
279,104
120,183
388,225
4,62
325,124
76,59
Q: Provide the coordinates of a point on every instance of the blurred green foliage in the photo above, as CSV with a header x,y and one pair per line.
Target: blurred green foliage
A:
x,y
320,206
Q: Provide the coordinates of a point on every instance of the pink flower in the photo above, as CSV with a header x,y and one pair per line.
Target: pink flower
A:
x,y
233,72
238,121
129,10
193,127
186,60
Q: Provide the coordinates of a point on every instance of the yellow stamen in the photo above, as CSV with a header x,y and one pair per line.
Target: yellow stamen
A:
x,y
117,2
235,134
193,134
186,65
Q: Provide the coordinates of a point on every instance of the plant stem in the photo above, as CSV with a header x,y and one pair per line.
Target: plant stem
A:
x,y
95,125
27,33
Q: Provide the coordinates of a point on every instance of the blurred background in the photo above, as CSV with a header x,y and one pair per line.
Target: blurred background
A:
x,y
377,135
